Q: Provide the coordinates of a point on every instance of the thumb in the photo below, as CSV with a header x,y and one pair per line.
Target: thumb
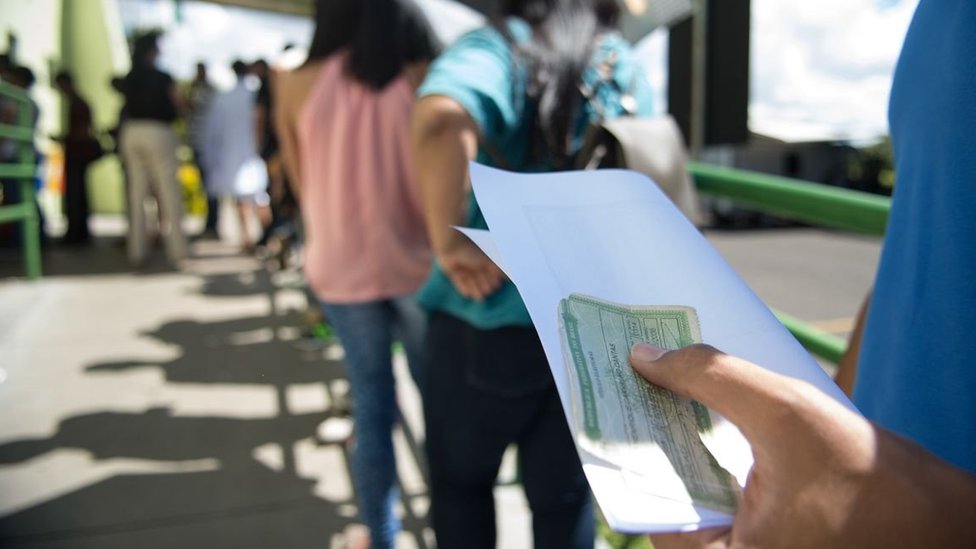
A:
x,y
739,390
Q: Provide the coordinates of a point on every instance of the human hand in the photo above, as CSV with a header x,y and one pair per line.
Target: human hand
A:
x,y
823,476
469,269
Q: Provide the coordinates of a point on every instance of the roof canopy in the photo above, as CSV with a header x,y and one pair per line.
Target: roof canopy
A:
x,y
305,7
639,16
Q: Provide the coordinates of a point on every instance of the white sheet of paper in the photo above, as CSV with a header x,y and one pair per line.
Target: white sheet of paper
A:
x,y
614,235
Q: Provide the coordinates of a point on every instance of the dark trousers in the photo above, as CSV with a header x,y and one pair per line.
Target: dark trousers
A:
x,y
213,208
213,202
76,200
487,389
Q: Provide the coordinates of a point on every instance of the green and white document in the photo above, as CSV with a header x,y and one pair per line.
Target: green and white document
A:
x,y
621,418
655,462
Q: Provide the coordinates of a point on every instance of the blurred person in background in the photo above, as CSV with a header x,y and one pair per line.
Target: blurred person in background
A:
x,y
148,146
286,243
283,205
117,83
343,123
231,134
509,95
199,97
81,148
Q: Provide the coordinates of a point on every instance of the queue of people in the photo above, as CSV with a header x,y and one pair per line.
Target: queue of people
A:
x,y
225,136
233,152
372,136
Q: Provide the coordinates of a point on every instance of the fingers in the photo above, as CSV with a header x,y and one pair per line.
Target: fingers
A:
x,y
466,285
472,273
737,389
475,284
489,278
482,284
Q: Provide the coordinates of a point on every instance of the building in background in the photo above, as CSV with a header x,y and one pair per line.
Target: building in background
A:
x,y
815,72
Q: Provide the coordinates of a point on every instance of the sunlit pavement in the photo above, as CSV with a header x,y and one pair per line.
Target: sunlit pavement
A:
x,y
179,409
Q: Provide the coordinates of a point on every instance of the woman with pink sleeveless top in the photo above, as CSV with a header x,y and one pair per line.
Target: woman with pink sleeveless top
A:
x,y
343,121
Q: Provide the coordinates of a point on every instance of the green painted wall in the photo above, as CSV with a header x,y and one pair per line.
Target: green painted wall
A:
x,y
94,49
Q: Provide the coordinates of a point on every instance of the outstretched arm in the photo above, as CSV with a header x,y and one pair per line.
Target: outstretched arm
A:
x,y
445,139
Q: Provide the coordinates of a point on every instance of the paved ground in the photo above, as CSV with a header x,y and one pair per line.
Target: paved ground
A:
x,y
165,409
179,409
816,275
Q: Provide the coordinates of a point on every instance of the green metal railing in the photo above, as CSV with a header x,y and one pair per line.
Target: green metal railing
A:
x,y
805,201
23,172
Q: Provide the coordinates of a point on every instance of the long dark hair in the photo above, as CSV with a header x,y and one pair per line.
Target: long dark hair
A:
x,y
382,36
564,33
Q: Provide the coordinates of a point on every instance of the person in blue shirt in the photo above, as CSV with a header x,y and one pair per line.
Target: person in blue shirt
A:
x,y
919,328
904,475
512,96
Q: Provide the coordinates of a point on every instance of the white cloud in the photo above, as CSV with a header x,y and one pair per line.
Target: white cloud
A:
x,y
822,70
819,70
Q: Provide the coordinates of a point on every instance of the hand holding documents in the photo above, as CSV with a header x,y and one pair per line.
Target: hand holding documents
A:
x,y
655,462
617,416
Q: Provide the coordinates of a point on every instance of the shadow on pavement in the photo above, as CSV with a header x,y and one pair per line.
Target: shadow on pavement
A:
x,y
241,503
234,499
239,351
238,284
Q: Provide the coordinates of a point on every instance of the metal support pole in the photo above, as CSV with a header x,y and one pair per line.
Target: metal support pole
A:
x,y
30,232
699,58
30,227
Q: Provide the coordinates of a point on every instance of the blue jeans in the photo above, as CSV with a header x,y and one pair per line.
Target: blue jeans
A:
x,y
366,331
487,389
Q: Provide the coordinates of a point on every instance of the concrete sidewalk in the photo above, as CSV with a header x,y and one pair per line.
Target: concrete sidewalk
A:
x,y
179,409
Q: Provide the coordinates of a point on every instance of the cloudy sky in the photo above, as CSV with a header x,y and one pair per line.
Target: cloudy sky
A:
x,y
823,68
820,70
